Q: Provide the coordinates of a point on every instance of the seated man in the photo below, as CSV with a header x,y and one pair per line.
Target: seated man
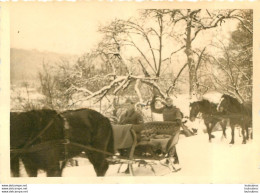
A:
x,y
132,115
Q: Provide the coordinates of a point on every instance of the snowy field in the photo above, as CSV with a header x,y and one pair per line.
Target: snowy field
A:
x,y
200,160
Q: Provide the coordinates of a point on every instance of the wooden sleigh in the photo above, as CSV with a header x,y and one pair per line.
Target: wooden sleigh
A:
x,y
152,143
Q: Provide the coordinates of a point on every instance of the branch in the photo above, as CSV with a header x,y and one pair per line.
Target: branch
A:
x,y
105,89
141,30
84,90
137,83
154,85
175,80
122,85
200,57
144,69
140,51
177,50
243,24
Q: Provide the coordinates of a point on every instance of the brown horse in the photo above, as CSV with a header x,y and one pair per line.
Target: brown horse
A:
x,y
210,115
41,134
238,114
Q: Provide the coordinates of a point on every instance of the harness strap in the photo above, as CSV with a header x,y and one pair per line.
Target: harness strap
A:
x,y
39,147
39,134
66,137
91,148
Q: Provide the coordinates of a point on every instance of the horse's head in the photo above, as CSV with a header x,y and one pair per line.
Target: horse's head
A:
x,y
194,110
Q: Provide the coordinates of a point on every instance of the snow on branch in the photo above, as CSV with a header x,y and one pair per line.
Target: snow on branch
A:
x,y
122,85
75,88
154,85
105,89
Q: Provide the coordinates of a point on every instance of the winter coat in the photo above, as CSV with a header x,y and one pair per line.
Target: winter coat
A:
x,y
170,113
131,117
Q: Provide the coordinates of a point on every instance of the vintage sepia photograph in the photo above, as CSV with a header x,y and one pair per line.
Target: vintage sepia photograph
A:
x,y
130,91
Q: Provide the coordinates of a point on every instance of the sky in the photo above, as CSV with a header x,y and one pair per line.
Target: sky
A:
x,y
63,28
67,28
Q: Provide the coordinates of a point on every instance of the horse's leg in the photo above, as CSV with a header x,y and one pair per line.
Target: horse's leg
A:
x,y
15,165
208,125
99,162
244,136
243,133
212,125
54,170
223,125
30,167
247,131
232,133
99,159
63,165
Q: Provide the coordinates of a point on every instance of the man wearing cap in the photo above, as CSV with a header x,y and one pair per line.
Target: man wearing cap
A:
x,y
131,116
170,113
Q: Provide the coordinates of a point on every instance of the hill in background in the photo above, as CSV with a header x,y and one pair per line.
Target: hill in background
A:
x,y
26,64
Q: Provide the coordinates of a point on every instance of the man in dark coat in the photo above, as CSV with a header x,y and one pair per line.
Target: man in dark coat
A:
x,y
171,113
131,116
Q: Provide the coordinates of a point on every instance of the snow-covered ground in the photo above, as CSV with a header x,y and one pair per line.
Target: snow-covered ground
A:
x,y
201,161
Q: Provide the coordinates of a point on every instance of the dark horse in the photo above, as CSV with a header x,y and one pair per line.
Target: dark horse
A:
x,y
238,114
210,115
84,126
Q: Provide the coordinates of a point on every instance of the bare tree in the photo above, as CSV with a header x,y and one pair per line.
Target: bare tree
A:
x,y
135,52
196,21
143,38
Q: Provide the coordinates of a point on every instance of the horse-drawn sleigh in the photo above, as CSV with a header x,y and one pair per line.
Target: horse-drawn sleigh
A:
x,y
46,140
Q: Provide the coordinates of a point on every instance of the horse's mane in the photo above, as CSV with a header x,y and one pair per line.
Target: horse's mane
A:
x,y
231,99
204,102
245,108
206,106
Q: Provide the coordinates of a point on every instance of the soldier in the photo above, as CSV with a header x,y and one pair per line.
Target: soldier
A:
x,y
171,113
132,115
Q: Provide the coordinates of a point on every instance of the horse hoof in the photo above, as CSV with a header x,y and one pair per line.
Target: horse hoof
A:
x,y
212,136
244,142
232,142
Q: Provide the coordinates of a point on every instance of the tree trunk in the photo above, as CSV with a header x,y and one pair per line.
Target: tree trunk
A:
x,y
190,60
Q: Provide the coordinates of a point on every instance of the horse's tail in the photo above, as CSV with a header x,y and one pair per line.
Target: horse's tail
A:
x,y
110,146
15,165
